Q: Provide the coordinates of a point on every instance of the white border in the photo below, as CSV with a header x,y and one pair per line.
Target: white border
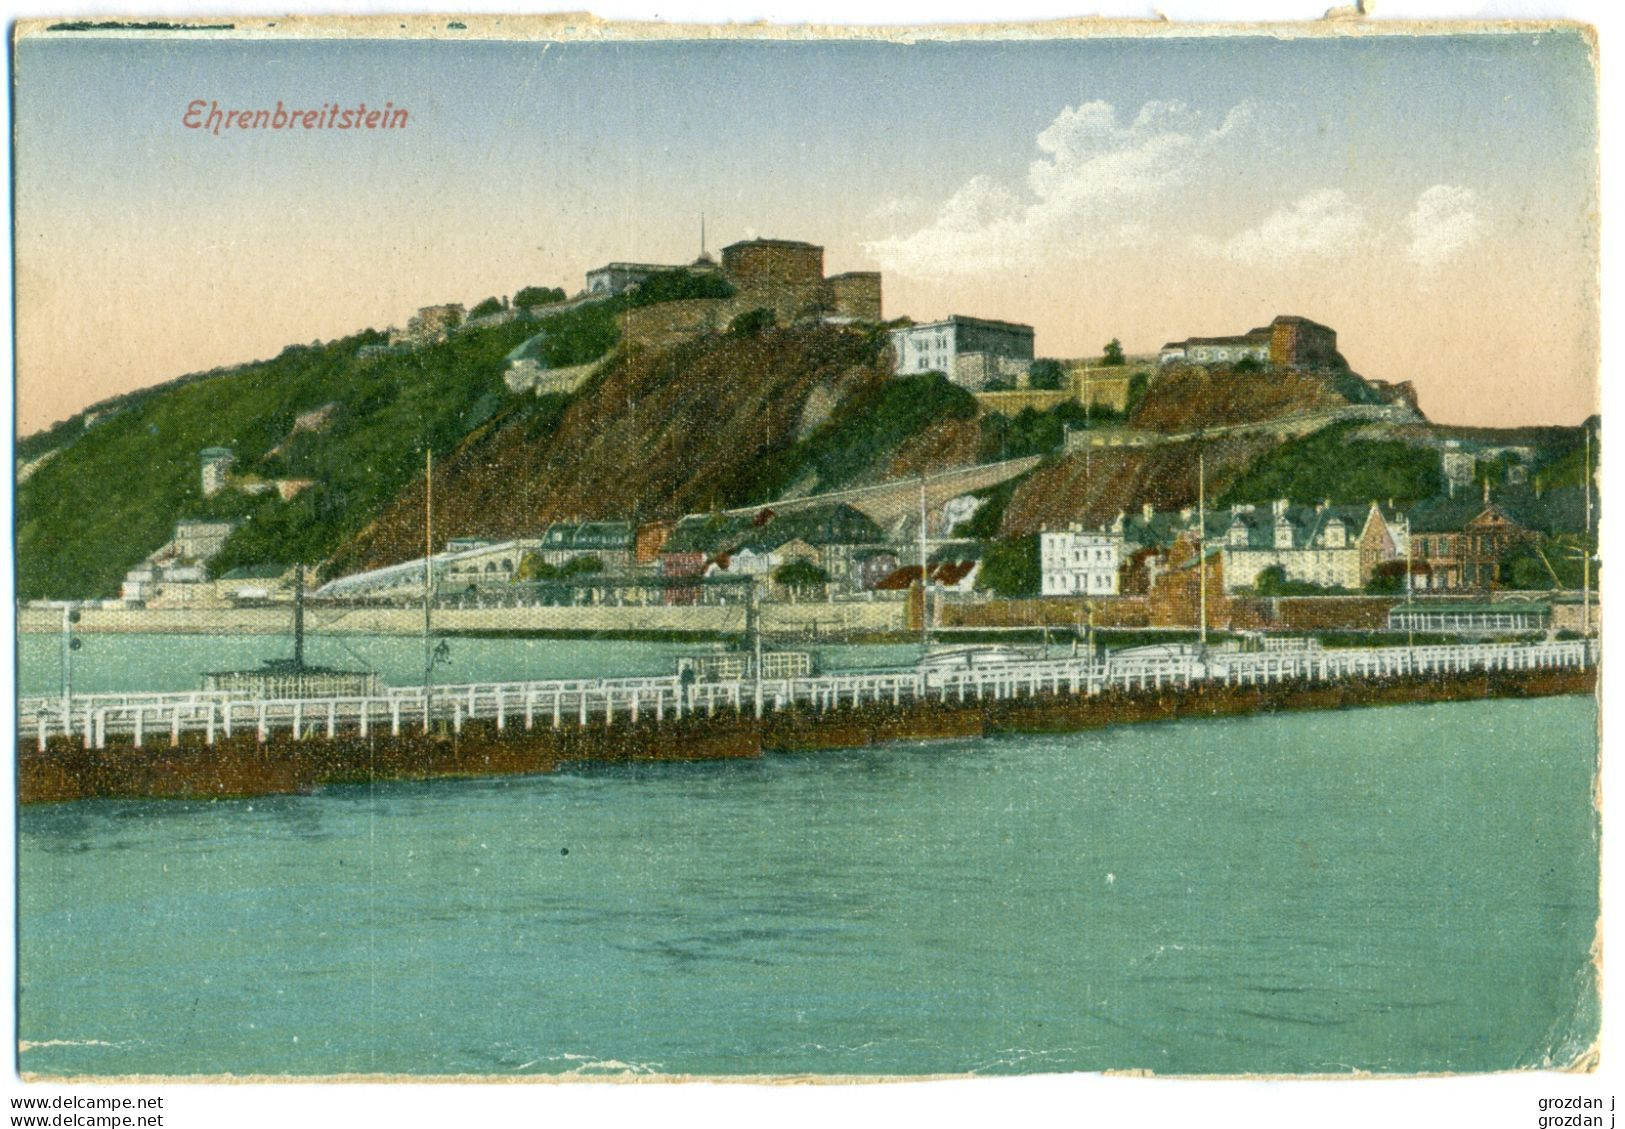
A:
x,y
1496,1100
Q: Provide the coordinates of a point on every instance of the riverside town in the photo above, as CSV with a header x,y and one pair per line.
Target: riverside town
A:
x,y
1229,522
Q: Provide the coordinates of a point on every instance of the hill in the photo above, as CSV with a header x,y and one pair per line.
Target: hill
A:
x,y
721,420
113,492
1187,397
106,487
1342,462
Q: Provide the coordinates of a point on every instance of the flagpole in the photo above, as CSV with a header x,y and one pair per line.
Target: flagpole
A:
x,y
428,585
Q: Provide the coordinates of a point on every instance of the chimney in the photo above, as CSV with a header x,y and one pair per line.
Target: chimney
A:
x,y
1486,491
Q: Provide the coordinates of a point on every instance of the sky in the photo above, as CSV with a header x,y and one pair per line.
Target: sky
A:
x,y
1433,199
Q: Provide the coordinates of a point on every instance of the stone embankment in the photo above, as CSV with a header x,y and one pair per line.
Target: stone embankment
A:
x,y
208,745
808,619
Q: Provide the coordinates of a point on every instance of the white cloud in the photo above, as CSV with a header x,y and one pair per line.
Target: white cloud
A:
x,y
1087,193
1323,224
896,208
1443,224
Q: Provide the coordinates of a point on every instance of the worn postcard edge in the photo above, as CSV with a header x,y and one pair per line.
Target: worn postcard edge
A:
x,y
584,27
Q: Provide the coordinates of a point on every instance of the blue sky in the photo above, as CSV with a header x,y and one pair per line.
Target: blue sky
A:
x,y
1432,198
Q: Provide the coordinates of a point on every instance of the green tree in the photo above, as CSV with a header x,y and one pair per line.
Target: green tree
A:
x,y
1046,374
1113,354
753,323
530,297
532,567
1272,581
679,285
1010,568
1387,578
1550,562
1248,364
800,575
1138,385
1028,432
581,566
486,308
1333,465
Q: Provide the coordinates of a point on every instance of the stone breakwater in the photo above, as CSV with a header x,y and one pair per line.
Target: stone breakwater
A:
x,y
243,765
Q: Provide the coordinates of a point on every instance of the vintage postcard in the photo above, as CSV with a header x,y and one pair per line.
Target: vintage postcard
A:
x,y
568,550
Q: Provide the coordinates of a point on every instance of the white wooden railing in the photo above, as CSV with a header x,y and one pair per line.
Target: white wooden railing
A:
x,y
140,719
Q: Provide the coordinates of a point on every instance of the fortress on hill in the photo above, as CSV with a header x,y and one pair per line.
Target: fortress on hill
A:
x,y
1288,342
785,276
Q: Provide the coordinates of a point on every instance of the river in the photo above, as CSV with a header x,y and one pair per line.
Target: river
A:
x,y
1401,889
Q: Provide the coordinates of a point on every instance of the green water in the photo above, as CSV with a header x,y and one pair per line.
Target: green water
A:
x,y
1404,889
127,662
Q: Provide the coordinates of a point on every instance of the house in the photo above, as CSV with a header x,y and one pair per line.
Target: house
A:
x,y
1459,463
969,351
872,565
177,571
217,463
1078,561
1461,541
691,546
616,278
198,540
610,542
1331,546
1325,545
834,531
952,568
431,324
648,540
1188,584
1484,540
955,577
829,536
955,567
1458,466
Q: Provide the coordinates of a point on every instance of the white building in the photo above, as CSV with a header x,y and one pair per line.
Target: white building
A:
x,y
177,571
1459,466
1078,562
616,278
217,462
968,351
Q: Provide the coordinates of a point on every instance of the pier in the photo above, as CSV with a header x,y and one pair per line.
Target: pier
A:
x,y
148,720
